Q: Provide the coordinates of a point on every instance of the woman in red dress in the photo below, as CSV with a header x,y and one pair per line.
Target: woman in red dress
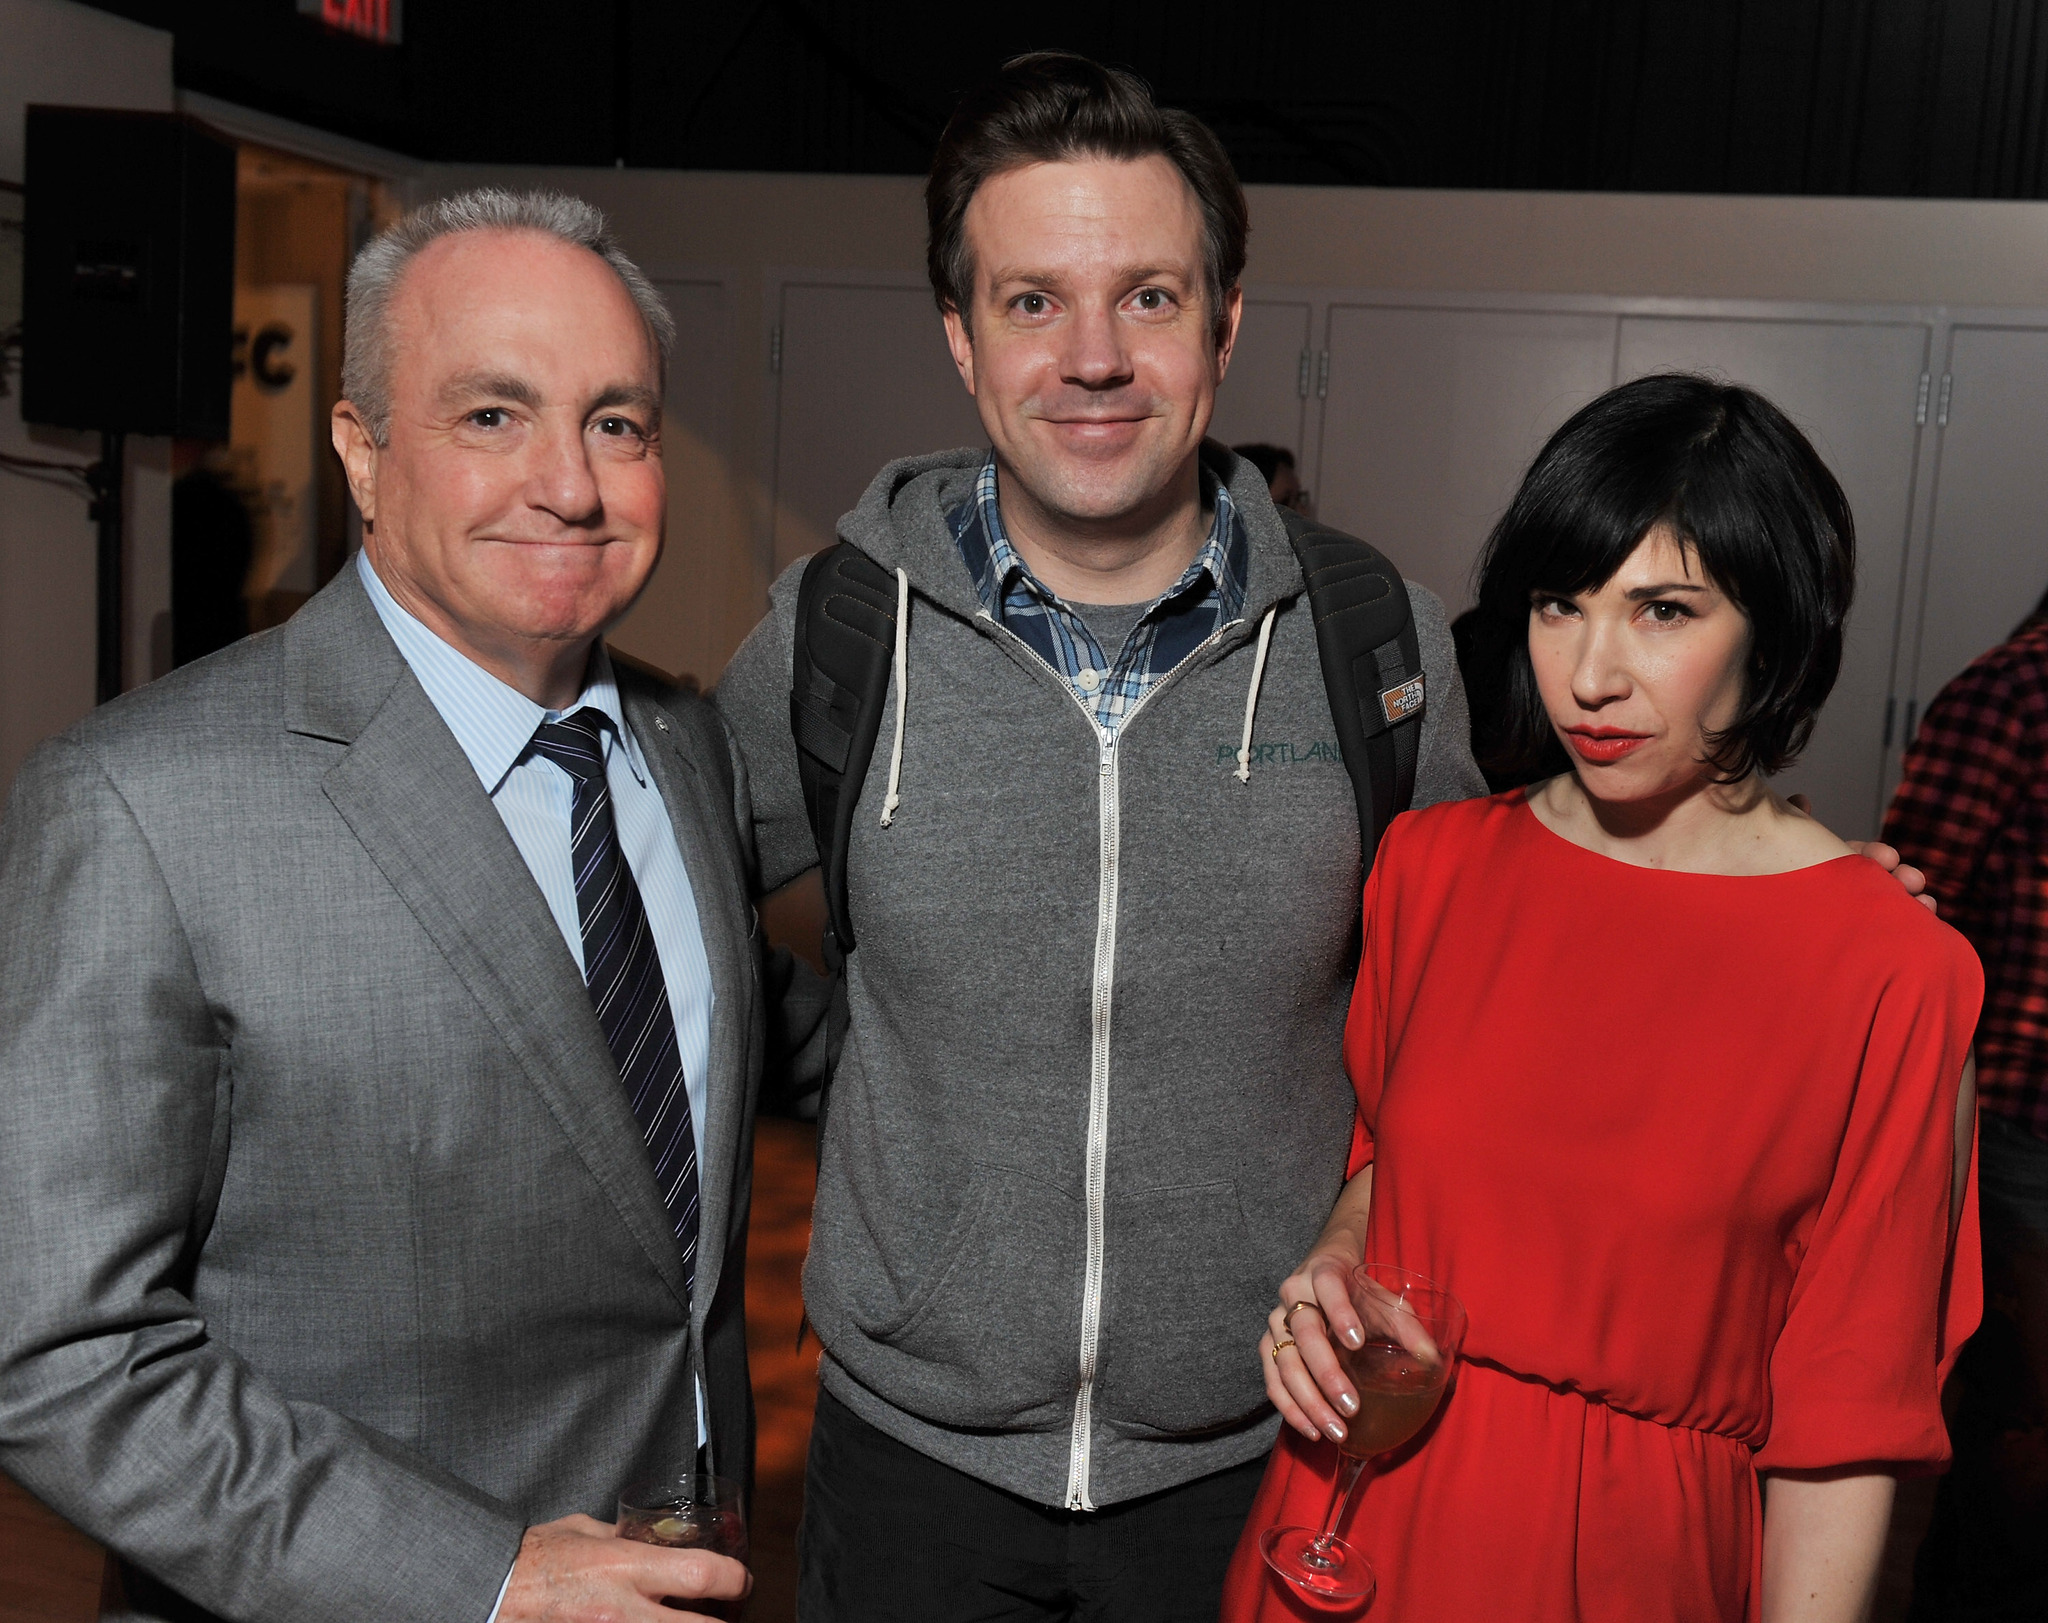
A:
x,y
1657,1077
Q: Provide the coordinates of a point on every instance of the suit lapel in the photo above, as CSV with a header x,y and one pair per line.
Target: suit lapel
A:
x,y
701,820
410,796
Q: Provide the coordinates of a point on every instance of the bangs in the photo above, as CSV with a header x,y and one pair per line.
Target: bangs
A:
x,y
1585,508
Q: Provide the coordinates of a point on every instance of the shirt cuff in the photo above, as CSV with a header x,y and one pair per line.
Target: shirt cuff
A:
x,y
500,1601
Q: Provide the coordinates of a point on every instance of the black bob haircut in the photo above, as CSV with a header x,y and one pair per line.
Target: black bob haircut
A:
x,y
1753,504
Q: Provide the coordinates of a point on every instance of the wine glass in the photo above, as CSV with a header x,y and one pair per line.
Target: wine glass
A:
x,y
688,1511
1413,1332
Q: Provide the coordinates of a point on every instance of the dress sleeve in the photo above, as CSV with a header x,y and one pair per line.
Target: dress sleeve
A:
x,y
1884,1297
1365,1049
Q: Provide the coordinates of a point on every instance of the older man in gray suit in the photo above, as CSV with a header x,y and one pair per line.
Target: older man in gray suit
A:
x,y
382,1013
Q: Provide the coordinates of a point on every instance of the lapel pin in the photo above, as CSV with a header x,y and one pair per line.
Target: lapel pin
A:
x,y
661,724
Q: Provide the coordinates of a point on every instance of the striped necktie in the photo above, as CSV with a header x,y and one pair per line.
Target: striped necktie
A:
x,y
623,973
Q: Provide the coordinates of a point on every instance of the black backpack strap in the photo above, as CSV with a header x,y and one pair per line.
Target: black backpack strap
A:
x,y
840,654
1372,669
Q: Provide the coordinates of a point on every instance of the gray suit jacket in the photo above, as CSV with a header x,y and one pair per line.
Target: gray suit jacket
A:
x,y
330,1256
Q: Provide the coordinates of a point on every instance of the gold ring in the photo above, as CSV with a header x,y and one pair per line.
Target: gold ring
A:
x,y
1278,1345
1287,1318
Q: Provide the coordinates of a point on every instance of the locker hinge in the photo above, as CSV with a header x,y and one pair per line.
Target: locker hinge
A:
x,y
1919,421
1948,389
1891,703
1323,376
775,348
1301,379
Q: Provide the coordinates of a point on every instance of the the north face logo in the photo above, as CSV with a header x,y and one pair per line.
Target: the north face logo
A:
x,y
1399,703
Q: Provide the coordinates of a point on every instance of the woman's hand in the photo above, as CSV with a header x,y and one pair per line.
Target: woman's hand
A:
x,y
1303,1377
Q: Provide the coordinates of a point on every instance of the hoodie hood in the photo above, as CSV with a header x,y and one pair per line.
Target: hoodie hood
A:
x,y
903,522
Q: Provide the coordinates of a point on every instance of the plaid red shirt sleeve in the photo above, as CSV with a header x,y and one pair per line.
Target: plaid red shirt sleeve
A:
x,y
1973,812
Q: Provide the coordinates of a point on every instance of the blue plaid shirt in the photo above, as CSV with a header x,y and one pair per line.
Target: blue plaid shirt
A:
x,y
1208,595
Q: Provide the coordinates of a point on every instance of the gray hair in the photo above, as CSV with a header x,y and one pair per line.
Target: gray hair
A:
x,y
374,277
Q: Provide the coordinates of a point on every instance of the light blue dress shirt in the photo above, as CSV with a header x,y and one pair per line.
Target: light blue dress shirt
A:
x,y
494,723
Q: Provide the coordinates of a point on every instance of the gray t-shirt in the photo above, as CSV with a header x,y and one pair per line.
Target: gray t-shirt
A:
x,y
1110,623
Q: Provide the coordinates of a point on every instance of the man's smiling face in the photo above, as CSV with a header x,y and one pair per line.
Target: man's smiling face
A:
x,y
517,500
1091,347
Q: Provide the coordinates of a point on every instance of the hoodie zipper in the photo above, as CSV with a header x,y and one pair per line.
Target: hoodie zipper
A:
x,y
1109,813
1101,1002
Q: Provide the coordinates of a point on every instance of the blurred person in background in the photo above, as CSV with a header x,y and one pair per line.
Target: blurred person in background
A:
x,y
1972,811
213,540
1276,466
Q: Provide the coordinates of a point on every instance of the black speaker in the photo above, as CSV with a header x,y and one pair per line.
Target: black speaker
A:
x,y
128,277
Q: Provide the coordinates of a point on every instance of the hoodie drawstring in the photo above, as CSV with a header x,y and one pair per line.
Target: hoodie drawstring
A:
x,y
1251,698
892,799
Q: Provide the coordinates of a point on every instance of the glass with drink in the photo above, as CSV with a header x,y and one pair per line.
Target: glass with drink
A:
x,y
690,1511
1412,1335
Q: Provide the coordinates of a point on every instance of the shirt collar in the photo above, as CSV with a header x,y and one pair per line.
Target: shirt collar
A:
x,y
492,721
996,565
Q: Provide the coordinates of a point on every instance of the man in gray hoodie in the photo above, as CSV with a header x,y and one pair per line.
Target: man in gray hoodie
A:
x,y
1090,1105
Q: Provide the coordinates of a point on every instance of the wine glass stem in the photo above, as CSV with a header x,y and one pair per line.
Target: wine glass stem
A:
x,y
1348,1475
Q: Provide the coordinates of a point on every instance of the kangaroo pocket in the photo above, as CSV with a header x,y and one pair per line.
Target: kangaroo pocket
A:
x,y
1184,1299
990,1337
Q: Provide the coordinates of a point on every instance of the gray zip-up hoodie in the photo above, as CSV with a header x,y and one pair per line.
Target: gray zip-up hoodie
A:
x,y
1091,1107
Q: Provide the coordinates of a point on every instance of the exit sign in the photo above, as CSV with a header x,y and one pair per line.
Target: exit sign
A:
x,y
379,20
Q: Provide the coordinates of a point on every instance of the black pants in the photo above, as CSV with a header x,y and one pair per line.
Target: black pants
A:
x,y
889,1534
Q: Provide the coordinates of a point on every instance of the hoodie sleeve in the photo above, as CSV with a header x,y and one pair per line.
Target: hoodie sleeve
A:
x,y
753,696
1444,767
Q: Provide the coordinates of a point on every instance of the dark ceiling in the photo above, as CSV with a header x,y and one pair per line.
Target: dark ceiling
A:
x,y
1921,98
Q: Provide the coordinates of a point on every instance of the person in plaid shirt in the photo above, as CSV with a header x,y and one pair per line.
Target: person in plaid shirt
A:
x,y
1973,813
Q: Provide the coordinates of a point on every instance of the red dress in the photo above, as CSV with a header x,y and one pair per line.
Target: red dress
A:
x,y
1684,1145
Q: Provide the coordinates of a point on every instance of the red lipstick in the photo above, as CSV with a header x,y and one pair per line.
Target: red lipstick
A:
x,y
1602,745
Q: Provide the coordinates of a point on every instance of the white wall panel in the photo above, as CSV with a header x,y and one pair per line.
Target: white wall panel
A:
x,y
1433,417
